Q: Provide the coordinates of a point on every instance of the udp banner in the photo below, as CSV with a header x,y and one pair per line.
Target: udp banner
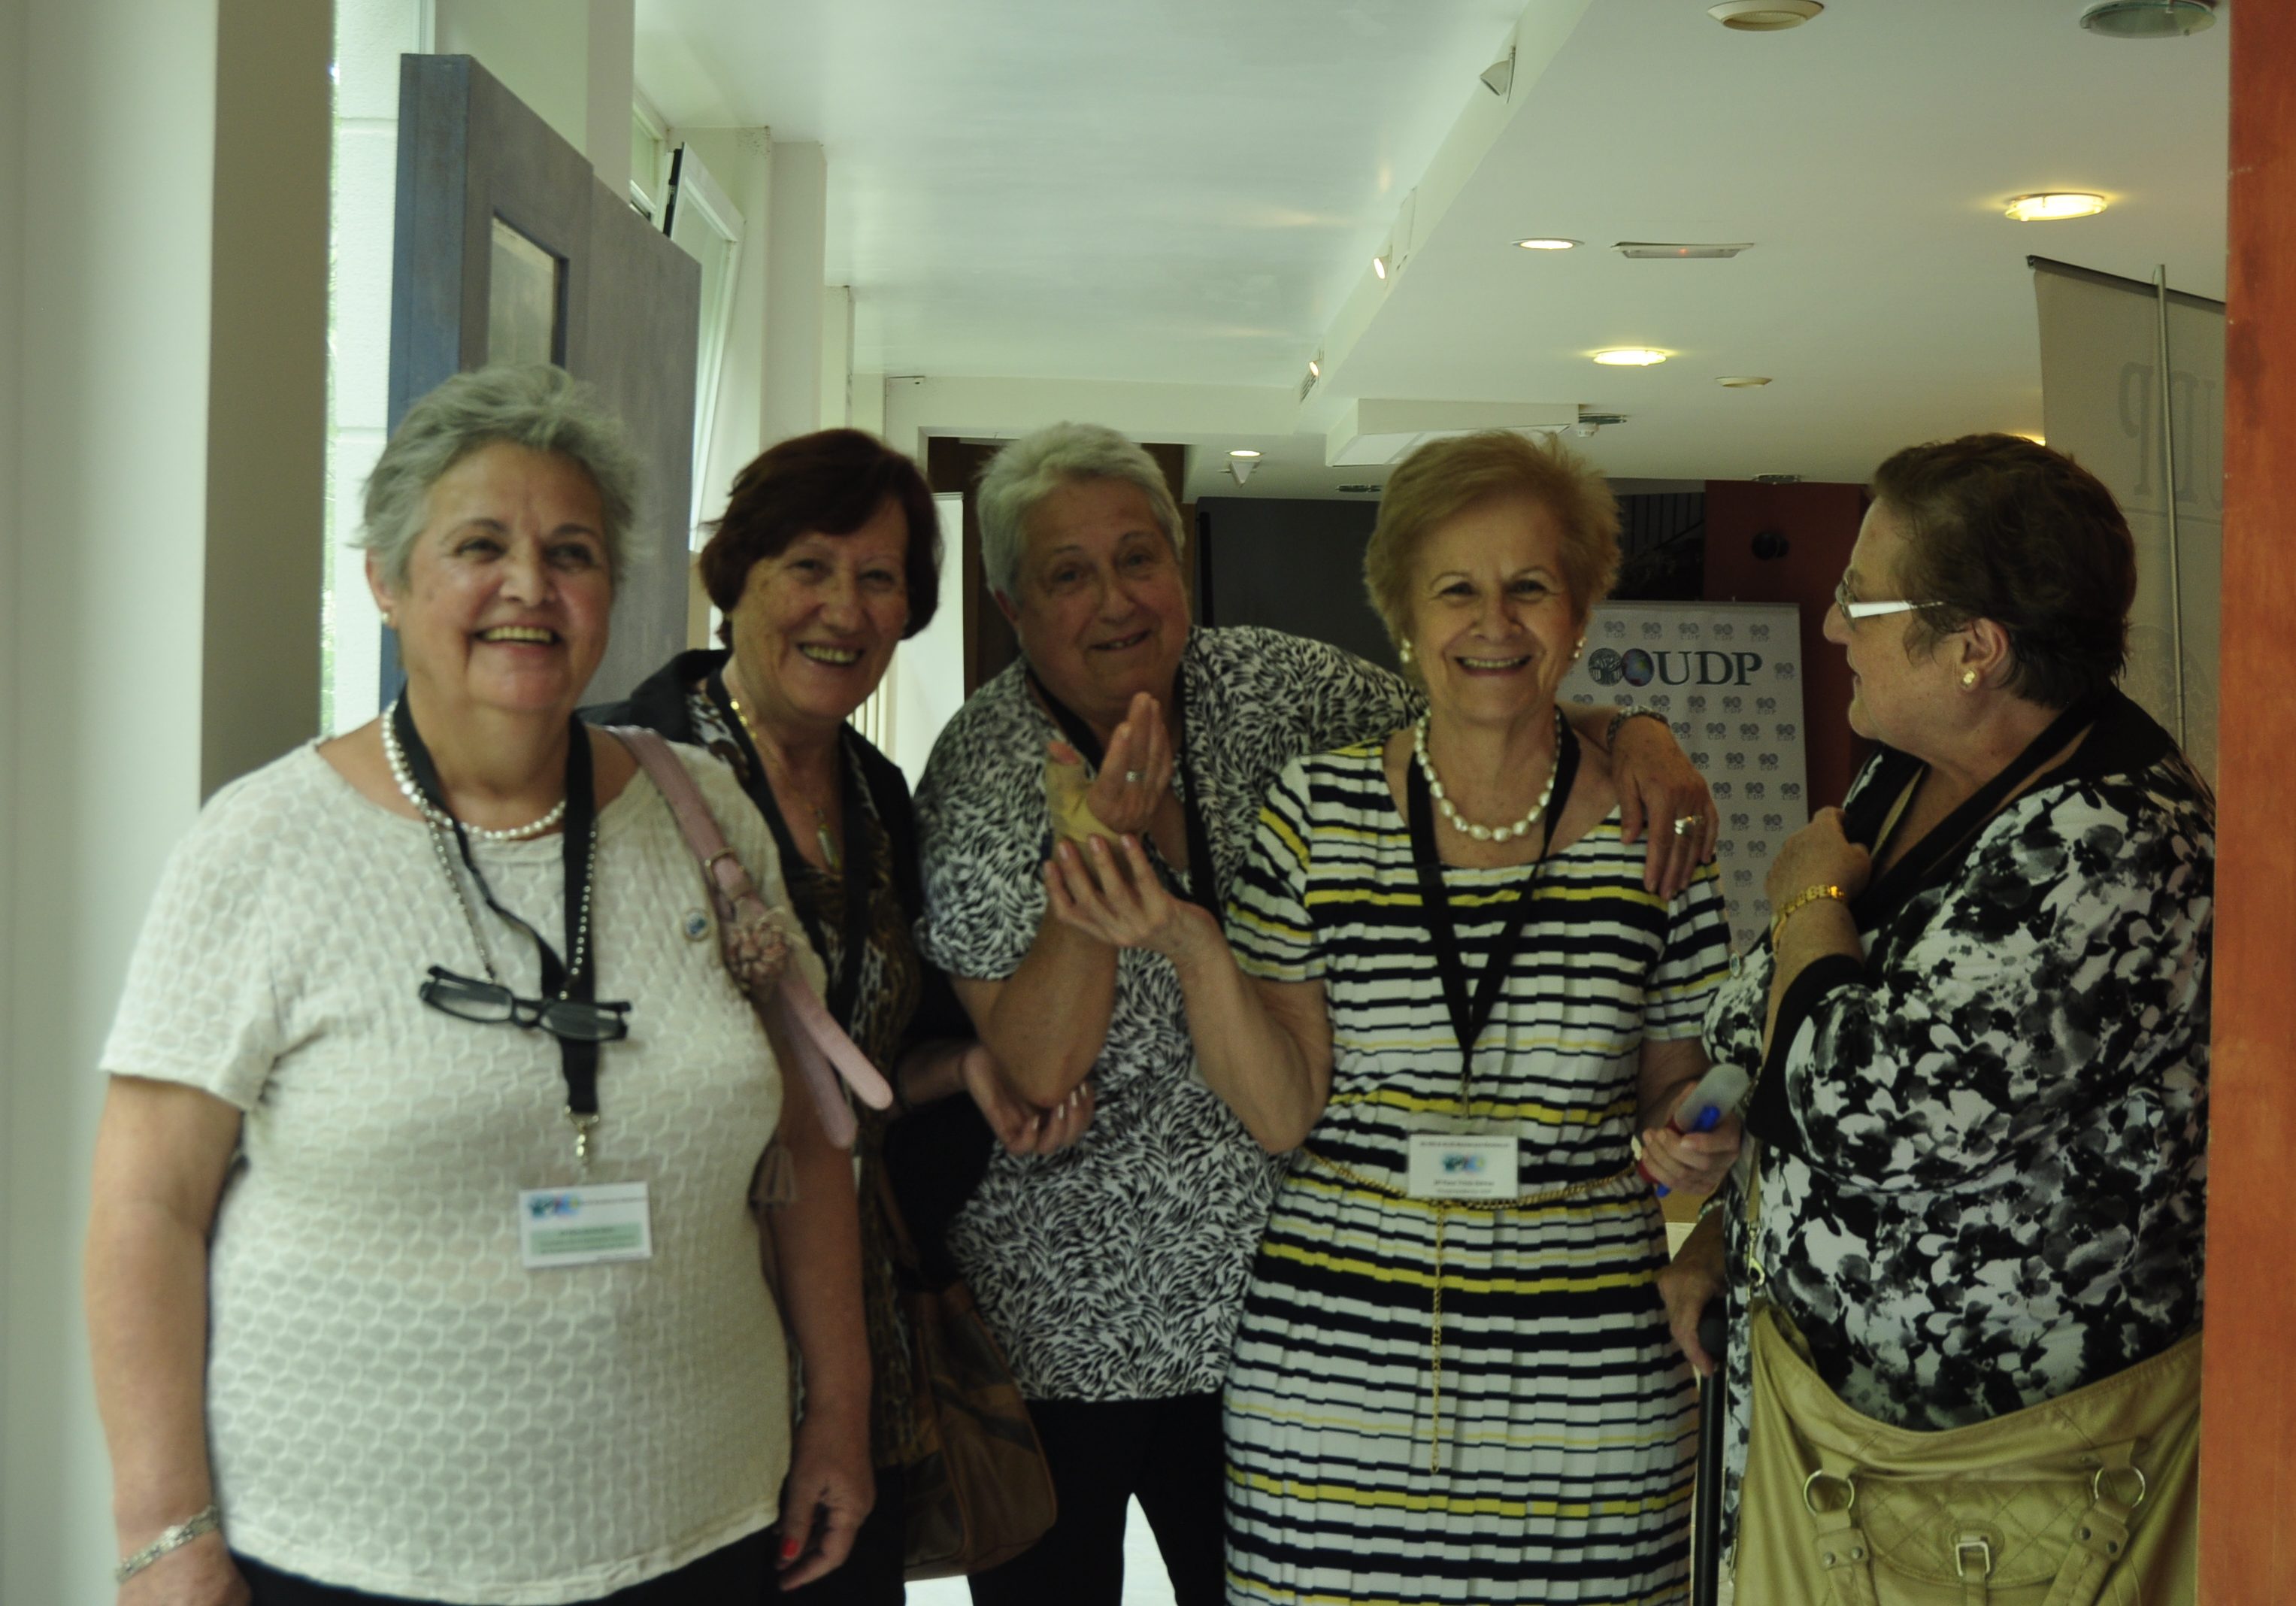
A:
x,y
1728,677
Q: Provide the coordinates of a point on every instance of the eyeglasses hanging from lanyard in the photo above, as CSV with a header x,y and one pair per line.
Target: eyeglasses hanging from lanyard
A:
x,y
573,1015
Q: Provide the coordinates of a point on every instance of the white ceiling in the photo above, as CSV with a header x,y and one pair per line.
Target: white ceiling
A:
x,y
1189,192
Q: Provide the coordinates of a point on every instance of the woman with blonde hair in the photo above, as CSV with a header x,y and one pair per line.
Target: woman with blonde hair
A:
x,y
1443,982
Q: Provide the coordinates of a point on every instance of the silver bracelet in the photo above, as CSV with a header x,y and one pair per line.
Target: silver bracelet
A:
x,y
1618,720
204,1521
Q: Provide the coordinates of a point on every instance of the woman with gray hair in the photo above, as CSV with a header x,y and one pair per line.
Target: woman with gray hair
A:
x,y
1114,1272
419,1266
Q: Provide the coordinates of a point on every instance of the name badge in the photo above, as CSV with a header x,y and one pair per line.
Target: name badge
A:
x,y
585,1225
1450,1164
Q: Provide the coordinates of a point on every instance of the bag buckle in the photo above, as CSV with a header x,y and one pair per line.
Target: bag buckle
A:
x,y
2096,1484
1810,1493
1981,1546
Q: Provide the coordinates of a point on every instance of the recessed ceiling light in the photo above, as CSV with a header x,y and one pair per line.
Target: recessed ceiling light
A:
x,y
1315,367
1630,357
2148,19
1546,243
1243,452
1744,381
1764,16
1651,250
1379,266
2049,207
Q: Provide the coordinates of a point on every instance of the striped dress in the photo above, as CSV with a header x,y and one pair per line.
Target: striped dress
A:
x,y
1550,1459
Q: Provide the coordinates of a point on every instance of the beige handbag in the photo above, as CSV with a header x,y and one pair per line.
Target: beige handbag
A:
x,y
2091,1497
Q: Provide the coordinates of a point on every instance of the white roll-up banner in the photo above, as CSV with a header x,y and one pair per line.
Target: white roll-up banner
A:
x,y
1727,675
2101,405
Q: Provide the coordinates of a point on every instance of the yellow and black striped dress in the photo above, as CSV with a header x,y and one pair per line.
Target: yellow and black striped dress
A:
x,y
1549,1458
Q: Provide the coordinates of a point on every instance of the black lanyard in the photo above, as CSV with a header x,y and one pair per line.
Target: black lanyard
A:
x,y
1472,1012
1203,888
1953,833
577,1058
858,876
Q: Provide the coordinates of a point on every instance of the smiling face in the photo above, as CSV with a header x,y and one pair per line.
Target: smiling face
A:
x,y
817,622
1894,697
1491,624
508,590
1099,609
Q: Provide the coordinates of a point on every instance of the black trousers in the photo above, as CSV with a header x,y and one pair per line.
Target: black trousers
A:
x,y
1168,1452
740,1574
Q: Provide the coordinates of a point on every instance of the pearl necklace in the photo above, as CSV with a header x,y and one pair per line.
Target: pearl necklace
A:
x,y
437,817
1485,833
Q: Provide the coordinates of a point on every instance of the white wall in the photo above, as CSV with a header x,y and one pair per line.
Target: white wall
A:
x,y
118,106
12,213
796,239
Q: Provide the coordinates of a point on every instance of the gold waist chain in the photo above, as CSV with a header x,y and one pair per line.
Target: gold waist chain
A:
x,y
1445,1208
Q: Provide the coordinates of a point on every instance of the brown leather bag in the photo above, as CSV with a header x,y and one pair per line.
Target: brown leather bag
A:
x,y
979,1491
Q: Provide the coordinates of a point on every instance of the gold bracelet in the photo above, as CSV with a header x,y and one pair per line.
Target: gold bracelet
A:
x,y
1803,900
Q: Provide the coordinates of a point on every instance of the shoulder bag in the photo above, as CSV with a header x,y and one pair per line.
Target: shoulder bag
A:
x,y
2090,1497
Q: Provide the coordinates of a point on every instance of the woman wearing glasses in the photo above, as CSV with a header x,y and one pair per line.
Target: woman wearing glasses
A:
x,y
395,1299
1980,1029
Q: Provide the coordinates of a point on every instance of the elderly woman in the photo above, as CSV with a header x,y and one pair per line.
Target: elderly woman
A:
x,y
1982,1027
1450,991
1114,1272
415,1304
827,558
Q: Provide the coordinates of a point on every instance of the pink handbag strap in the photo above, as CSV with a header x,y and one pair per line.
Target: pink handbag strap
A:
x,y
823,1051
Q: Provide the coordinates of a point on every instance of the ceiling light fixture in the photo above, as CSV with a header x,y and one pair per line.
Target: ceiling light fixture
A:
x,y
1651,251
1744,381
1379,266
1630,357
1242,467
2148,19
1243,452
1316,367
1546,243
1764,16
1498,78
2053,205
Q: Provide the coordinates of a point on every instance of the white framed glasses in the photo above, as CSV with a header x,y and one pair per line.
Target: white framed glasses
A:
x,y
1854,611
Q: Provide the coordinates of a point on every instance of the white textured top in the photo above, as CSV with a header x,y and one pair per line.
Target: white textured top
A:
x,y
394,1404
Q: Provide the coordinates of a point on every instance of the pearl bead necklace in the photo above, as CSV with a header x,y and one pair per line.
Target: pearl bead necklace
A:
x,y
1485,833
439,818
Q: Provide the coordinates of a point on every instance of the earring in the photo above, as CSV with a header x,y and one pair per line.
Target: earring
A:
x,y
1968,679
1580,648
390,621
1403,650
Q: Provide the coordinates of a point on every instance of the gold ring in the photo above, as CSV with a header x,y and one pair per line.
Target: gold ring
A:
x,y
1133,777
1683,826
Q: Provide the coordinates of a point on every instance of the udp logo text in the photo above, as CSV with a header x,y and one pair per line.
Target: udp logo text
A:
x,y
1703,667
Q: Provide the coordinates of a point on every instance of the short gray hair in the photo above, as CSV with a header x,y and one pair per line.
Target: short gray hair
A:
x,y
1034,466
534,406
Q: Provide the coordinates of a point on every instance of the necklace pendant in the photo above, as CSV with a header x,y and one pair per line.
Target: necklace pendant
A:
x,y
827,843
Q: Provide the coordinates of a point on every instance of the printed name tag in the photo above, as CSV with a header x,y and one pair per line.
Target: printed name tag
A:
x,y
1450,1165
585,1225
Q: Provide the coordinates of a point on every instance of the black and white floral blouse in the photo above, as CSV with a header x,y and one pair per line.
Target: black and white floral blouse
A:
x,y
1985,1146
1116,1269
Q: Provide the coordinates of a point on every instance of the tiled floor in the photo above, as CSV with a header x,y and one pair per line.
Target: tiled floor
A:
x,y
1145,1582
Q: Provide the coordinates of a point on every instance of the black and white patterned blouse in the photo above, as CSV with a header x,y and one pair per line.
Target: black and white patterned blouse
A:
x,y
1982,1186
1115,1269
